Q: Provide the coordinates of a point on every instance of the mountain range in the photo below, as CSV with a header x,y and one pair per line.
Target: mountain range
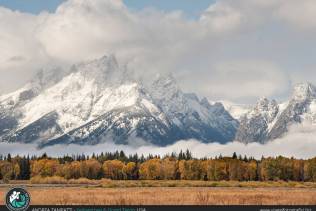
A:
x,y
99,100
268,120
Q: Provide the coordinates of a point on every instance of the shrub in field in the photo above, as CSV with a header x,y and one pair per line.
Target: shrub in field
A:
x,y
83,181
48,180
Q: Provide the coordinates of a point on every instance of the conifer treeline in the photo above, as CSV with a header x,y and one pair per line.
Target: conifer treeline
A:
x,y
118,166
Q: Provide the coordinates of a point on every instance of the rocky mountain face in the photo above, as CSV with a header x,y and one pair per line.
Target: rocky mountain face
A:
x,y
269,120
99,100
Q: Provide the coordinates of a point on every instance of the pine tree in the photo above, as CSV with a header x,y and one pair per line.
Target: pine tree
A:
x,y
44,156
234,155
122,156
181,155
24,164
188,155
9,159
142,159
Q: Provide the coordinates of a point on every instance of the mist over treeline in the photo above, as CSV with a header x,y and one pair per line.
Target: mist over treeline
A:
x,y
182,166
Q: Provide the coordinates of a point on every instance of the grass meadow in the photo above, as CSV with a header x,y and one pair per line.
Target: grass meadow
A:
x,y
147,192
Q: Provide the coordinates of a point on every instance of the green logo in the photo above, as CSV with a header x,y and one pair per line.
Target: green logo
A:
x,y
17,199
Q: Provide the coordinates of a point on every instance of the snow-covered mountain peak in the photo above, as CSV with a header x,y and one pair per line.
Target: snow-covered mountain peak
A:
x,y
192,96
165,88
103,63
100,98
219,109
303,91
205,102
255,125
269,120
165,82
219,105
104,70
47,77
264,104
265,108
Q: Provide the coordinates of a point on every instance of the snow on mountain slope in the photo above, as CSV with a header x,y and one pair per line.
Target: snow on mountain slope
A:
x,y
79,96
98,99
310,115
269,120
254,124
299,109
198,118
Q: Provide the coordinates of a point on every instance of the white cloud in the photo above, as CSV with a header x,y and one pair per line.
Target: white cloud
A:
x,y
300,14
299,143
81,30
221,17
247,79
20,53
273,32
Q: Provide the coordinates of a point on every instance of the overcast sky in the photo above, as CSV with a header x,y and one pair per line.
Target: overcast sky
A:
x,y
225,49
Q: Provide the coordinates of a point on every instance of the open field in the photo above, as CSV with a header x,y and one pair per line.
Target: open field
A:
x,y
169,196
107,183
109,192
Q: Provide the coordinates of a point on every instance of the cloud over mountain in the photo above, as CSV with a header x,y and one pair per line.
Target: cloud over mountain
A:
x,y
300,143
248,38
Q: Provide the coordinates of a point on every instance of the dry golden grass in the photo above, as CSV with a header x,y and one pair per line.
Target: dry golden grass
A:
x,y
169,196
48,180
107,183
198,183
61,180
